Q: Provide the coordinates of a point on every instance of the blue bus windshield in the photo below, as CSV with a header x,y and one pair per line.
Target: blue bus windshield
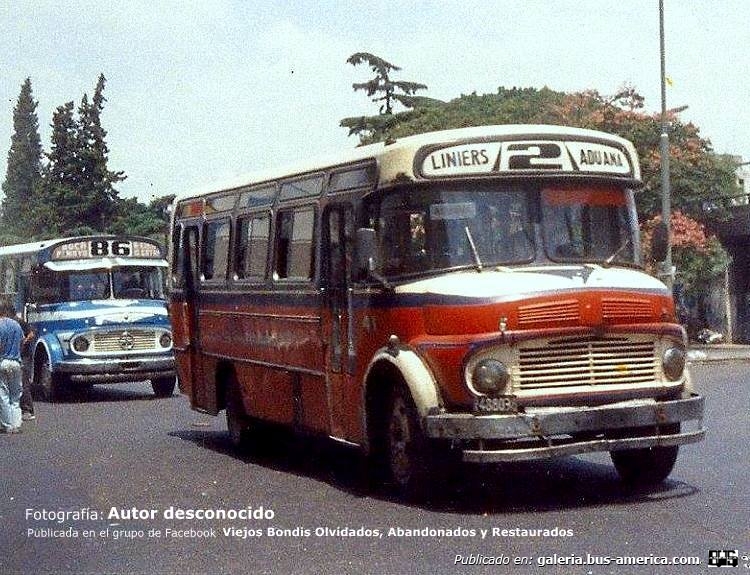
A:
x,y
129,282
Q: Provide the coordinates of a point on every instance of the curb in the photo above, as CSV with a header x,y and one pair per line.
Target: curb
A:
x,y
702,354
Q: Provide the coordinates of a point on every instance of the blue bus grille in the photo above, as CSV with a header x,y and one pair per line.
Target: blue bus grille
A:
x,y
124,341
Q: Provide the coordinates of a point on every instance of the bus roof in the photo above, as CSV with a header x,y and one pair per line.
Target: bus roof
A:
x,y
395,157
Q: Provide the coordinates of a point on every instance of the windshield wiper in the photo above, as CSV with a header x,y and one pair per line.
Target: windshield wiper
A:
x,y
617,252
474,252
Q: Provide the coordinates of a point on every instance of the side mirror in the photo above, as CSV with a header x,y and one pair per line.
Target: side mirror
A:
x,y
366,245
660,242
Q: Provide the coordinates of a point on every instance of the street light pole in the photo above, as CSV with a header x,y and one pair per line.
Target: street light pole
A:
x,y
666,207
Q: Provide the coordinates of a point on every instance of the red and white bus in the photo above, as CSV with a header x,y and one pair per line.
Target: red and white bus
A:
x,y
475,292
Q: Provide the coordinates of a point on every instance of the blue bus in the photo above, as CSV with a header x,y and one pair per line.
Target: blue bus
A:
x,y
97,306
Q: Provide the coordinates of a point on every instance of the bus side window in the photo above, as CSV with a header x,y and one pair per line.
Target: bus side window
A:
x,y
214,264
185,262
294,245
252,246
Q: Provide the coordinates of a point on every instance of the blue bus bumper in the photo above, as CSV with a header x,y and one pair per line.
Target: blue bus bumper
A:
x,y
87,371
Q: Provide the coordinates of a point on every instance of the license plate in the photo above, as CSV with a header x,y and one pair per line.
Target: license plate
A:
x,y
495,405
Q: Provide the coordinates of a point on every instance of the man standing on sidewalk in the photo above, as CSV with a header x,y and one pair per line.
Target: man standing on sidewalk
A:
x,y
11,386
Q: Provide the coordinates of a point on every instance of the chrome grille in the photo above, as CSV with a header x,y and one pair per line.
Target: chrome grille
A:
x,y
571,362
123,341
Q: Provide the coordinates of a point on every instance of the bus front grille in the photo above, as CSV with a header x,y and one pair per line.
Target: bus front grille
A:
x,y
123,341
575,362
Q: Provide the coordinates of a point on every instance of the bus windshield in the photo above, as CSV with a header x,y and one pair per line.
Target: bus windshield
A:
x,y
97,284
588,224
424,229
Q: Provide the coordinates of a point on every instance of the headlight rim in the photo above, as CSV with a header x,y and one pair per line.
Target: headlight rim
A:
x,y
674,352
83,341
502,373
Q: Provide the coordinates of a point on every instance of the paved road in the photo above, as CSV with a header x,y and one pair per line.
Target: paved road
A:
x,y
120,448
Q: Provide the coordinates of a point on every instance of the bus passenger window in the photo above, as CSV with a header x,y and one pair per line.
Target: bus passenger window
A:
x,y
215,250
294,246
252,249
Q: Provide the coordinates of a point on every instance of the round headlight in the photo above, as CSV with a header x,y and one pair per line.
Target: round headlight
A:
x,y
81,344
673,363
165,340
490,376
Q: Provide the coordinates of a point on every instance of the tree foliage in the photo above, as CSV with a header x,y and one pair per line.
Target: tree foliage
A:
x,y
69,190
696,173
24,164
385,90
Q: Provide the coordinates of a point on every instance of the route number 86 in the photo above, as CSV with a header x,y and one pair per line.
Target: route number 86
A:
x,y
102,248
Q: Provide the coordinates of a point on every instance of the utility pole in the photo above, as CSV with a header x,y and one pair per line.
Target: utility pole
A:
x,y
666,206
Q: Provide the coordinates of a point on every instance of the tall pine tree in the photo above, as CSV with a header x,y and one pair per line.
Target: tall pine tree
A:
x,y
59,203
77,194
24,167
96,186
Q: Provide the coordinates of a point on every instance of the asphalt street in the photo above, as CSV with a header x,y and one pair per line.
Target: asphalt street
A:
x,y
116,481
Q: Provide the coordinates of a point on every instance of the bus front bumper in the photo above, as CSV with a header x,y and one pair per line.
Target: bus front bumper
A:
x,y
88,371
555,432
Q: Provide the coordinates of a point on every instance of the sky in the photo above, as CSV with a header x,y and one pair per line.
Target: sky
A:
x,y
205,91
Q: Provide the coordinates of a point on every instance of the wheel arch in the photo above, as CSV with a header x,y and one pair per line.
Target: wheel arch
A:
x,y
387,370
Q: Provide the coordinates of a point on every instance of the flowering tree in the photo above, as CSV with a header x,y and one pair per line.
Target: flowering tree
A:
x,y
700,261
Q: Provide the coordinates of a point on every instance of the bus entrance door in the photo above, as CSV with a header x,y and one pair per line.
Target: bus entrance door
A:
x,y
186,328
342,394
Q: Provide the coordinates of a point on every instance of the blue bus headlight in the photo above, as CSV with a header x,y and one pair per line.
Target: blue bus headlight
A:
x,y
673,362
81,344
165,340
490,376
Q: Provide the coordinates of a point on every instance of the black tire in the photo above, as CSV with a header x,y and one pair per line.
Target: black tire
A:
x,y
163,386
51,387
238,422
646,466
407,452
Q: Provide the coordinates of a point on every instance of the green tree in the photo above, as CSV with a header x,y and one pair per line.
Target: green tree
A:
x,y
57,204
133,217
24,166
696,172
385,90
96,182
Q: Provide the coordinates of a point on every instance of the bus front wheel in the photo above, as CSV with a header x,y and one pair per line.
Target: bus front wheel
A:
x,y
649,465
50,385
407,449
163,386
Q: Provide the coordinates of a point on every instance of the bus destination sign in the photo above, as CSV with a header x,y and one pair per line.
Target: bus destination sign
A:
x,y
102,248
526,156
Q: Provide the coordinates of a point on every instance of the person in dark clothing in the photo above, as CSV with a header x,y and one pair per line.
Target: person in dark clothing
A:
x,y
27,402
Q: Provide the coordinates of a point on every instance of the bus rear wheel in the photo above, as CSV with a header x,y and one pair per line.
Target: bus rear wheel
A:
x,y
163,386
238,422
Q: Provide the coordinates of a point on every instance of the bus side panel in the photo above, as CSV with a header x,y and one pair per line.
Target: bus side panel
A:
x,y
266,393
277,353
313,403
